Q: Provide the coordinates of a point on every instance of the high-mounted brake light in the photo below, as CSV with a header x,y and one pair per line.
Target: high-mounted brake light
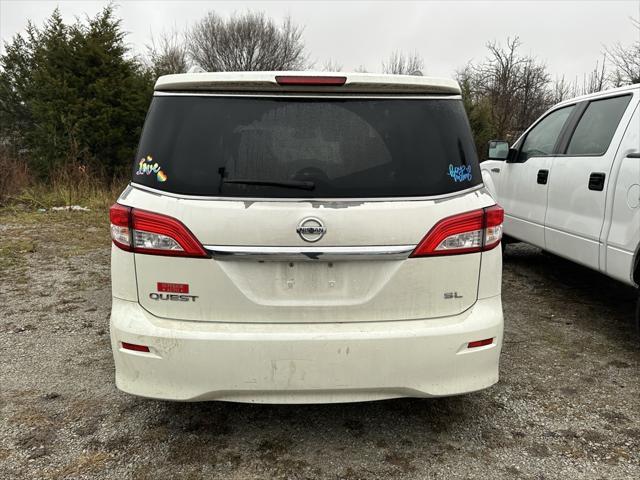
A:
x,y
475,231
319,81
141,231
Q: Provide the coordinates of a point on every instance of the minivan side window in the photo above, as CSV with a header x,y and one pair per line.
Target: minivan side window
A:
x,y
599,122
542,138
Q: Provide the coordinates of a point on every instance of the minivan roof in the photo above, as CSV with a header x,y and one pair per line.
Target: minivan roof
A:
x,y
266,81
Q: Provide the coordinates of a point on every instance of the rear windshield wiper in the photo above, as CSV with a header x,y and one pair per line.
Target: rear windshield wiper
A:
x,y
301,184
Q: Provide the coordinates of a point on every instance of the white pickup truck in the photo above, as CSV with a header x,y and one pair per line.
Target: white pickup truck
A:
x,y
571,183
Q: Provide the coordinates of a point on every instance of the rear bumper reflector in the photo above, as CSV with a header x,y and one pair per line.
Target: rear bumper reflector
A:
x,y
134,347
480,343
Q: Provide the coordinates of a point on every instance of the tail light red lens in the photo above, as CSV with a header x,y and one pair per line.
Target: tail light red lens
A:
x,y
141,231
475,231
319,81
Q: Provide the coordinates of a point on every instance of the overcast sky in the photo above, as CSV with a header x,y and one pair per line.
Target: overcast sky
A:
x,y
567,35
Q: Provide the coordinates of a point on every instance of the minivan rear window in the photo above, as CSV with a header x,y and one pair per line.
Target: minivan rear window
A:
x,y
294,147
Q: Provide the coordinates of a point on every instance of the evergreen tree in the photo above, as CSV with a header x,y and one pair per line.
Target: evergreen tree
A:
x,y
71,94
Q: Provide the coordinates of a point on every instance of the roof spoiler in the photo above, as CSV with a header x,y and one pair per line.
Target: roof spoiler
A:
x,y
307,82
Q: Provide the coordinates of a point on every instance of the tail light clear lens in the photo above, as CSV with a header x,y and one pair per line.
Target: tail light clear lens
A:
x,y
475,231
140,231
154,241
461,241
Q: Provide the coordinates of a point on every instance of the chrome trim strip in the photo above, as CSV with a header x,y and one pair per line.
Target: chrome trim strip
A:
x,y
373,96
297,254
307,200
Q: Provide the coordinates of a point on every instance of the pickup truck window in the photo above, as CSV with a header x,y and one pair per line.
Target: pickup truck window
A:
x,y
542,138
599,122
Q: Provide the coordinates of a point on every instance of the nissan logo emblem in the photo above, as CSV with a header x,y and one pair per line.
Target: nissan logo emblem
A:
x,y
311,229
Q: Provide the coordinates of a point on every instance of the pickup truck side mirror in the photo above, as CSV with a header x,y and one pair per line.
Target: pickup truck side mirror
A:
x,y
498,150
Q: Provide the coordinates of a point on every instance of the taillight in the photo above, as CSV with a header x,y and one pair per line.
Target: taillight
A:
x,y
141,231
319,81
475,231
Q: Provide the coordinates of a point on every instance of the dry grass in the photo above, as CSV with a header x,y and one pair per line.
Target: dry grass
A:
x,y
28,225
26,231
63,191
15,175
72,184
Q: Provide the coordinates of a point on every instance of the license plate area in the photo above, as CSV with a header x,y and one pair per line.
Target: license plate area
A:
x,y
311,276
309,283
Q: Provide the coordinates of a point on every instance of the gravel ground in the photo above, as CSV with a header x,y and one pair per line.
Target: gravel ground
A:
x,y
567,405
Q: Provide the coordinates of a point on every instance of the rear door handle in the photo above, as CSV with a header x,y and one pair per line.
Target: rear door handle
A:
x,y
634,155
543,175
495,169
596,181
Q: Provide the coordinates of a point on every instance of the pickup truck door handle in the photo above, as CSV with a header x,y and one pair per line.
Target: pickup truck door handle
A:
x,y
634,155
543,175
495,169
596,181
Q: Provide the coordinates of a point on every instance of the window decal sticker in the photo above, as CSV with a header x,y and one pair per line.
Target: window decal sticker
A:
x,y
461,173
147,167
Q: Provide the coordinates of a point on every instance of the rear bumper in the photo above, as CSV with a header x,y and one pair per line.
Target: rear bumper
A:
x,y
305,363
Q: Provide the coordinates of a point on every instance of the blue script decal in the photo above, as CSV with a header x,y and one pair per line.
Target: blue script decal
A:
x,y
461,173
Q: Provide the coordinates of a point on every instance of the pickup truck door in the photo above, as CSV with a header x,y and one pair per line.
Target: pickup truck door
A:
x,y
579,179
522,187
621,232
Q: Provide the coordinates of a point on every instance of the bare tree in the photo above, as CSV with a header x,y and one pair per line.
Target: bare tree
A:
x,y
514,86
561,90
533,96
507,91
595,80
249,41
625,61
168,53
361,69
331,66
401,64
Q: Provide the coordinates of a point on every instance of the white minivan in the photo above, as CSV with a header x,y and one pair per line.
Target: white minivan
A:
x,y
299,237
571,183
